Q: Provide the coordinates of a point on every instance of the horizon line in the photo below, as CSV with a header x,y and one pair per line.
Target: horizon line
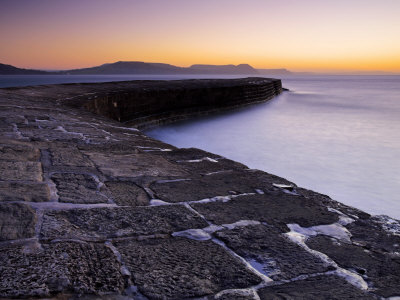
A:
x,y
324,72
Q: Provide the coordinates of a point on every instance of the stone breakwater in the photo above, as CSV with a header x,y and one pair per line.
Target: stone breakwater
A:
x,y
92,209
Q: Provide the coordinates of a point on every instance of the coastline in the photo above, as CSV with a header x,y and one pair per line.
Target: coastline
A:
x,y
67,171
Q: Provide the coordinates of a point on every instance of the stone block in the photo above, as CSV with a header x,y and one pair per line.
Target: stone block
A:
x,y
382,269
279,258
315,288
219,184
18,152
127,193
274,208
104,223
30,192
17,221
69,156
78,188
179,268
65,267
134,165
18,170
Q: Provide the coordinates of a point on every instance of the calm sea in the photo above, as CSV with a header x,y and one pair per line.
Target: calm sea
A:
x,y
338,135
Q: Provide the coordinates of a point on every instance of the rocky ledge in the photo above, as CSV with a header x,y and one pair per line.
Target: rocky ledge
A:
x,y
93,209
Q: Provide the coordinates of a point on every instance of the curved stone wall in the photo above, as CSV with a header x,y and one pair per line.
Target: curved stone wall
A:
x,y
153,103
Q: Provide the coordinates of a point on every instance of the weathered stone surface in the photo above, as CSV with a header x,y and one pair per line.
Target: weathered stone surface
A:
x,y
37,134
16,191
235,294
182,154
134,165
127,193
78,188
315,288
327,201
69,156
382,270
17,221
274,208
125,147
18,170
178,268
199,162
207,166
370,234
219,184
279,257
18,152
47,269
103,223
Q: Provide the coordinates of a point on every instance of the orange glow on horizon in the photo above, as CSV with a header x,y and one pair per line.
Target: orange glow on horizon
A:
x,y
300,36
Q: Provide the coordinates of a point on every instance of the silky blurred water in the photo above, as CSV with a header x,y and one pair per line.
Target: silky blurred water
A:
x,y
338,135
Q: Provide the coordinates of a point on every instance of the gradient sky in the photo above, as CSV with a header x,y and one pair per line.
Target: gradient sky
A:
x,y
306,35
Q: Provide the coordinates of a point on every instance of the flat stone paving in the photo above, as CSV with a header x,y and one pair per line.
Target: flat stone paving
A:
x,y
91,209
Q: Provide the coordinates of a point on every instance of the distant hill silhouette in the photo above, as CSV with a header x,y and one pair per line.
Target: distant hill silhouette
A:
x,y
136,67
11,70
130,67
223,69
143,68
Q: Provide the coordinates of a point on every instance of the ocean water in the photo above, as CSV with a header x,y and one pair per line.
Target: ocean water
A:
x,y
337,135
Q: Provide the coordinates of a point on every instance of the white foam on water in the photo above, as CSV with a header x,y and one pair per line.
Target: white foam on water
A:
x,y
193,234
213,228
220,198
390,225
172,180
334,230
158,202
248,293
241,223
61,206
198,160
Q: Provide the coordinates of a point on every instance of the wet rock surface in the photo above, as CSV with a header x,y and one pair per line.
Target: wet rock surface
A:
x,y
275,208
271,251
93,209
380,270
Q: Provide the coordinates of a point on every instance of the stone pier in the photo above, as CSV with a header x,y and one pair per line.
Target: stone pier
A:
x,y
93,209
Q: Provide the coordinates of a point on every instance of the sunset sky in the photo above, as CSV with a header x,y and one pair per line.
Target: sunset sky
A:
x,y
306,35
